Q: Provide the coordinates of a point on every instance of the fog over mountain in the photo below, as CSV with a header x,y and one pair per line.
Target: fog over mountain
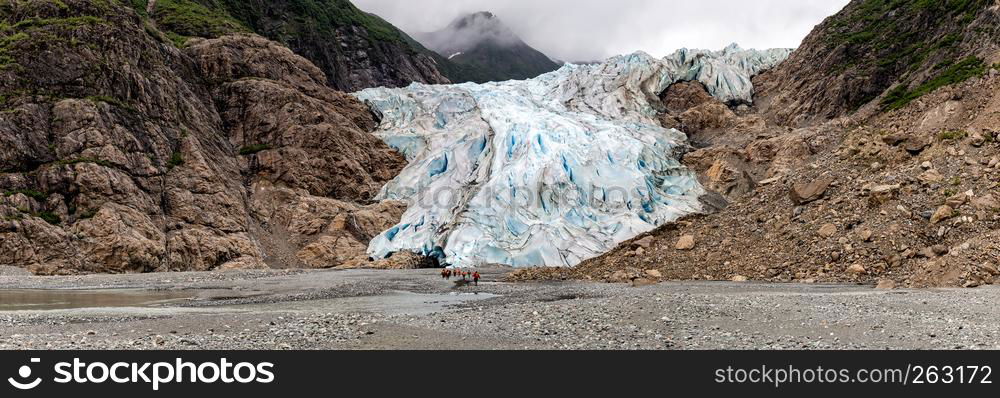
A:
x,y
465,33
487,49
587,30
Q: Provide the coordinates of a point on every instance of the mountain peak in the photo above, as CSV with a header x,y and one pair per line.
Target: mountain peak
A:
x,y
470,30
475,18
484,45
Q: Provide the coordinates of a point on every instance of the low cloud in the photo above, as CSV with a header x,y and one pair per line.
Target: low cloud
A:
x,y
462,35
581,30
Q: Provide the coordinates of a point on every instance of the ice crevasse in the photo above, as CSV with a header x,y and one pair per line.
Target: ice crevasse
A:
x,y
549,171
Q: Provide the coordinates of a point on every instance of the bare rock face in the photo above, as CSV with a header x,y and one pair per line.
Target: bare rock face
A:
x,y
780,154
289,127
682,96
306,149
352,48
689,108
723,170
404,260
122,154
304,142
140,157
708,116
318,232
351,56
246,56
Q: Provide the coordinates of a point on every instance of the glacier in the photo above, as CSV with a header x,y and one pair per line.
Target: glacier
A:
x,y
549,171
725,74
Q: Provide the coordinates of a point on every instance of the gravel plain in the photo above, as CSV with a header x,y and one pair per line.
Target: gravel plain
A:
x,y
367,309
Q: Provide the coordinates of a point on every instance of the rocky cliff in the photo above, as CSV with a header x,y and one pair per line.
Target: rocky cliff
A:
x,y
124,153
354,49
882,53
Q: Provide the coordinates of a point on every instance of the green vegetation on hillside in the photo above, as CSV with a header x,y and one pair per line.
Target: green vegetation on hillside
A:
x,y
320,16
22,27
39,196
140,6
871,14
6,46
951,135
48,217
892,40
111,101
176,159
253,149
83,20
956,73
182,19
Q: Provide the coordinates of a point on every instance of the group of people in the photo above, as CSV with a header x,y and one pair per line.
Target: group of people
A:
x,y
473,276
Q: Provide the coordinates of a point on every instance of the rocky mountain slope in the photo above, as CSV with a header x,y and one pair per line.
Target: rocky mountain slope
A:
x,y
125,153
871,155
354,49
880,53
487,49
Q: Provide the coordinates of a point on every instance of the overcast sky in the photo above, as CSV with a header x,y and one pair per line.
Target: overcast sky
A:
x,y
584,30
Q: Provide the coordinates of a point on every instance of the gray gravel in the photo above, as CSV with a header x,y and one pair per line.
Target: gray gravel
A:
x,y
417,310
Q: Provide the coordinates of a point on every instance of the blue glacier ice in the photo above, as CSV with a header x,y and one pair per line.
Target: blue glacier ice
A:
x,y
726,74
549,171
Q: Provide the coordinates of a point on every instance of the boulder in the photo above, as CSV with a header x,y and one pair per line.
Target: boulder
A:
x,y
645,242
883,194
886,284
686,242
805,192
942,213
915,146
931,176
957,200
894,139
986,202
827,230
989,268
940,250
857,270
640,282
620,276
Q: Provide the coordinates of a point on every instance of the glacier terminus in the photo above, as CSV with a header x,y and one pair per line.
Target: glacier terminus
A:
x,y
549,171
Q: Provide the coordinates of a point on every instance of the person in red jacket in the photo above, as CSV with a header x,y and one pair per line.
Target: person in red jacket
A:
x,y
475,277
